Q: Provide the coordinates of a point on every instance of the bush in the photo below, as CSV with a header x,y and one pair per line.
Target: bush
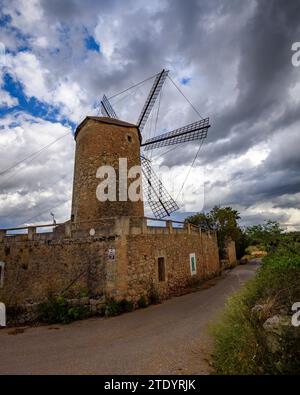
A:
x,y
114,307
126,306
241,243
154,297
142,302
57,310
241,345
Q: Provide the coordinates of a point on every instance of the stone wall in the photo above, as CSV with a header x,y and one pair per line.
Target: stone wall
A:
x,y
30,312
144,251
231,253
121,262
35,270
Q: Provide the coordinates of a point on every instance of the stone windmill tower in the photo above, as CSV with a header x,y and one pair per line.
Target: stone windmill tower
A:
x,y
102,141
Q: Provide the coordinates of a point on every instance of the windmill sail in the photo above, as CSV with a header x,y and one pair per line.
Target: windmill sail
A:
x,y
159,199
106,108
154,92
193,131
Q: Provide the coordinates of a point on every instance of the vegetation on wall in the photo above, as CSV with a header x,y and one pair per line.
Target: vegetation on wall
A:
x,y
114,307
58,310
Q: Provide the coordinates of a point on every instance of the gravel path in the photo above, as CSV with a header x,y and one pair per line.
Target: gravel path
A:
x,y
170,338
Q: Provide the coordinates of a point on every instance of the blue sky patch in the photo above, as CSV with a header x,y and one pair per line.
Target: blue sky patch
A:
x,y
31,105
185,80
91,44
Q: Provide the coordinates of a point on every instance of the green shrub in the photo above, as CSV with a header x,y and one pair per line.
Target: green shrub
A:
x,y
240,340
142,302
154,297
114,307
57,310
126,306
13,313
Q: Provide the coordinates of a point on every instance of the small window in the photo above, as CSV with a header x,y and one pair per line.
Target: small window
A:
x,y
161,269
2,264
129,138
193,266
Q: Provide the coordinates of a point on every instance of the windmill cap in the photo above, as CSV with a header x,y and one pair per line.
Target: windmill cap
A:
x,y
111,121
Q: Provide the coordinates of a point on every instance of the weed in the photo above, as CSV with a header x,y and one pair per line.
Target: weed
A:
x,y
142,302
241,345
57,310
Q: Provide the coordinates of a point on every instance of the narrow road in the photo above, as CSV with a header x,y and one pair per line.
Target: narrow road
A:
x,y
170,338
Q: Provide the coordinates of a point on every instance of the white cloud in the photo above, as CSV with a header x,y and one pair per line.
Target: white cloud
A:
x,y
221,46
27,69
25,14
38,81
39,184
6,100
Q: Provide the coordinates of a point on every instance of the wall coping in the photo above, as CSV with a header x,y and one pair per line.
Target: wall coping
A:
x,y
104,229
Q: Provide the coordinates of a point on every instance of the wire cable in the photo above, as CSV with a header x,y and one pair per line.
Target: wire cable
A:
x,y
166,152
191,166
43,212
177,87
133,86
33,155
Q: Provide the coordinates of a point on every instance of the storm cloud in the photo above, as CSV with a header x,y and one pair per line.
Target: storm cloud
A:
x,y
231,58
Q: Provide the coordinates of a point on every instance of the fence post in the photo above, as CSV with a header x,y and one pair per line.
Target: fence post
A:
x,y
169,226
31,232
2,234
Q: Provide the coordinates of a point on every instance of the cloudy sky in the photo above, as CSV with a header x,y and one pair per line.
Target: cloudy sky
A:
x,y
231,58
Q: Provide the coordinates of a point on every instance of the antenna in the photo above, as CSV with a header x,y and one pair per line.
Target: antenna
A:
x,y
53,216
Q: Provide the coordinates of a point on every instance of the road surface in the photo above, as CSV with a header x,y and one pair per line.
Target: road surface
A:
x,y
170,338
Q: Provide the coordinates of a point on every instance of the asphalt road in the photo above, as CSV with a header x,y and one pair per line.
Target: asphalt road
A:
x,y
170,338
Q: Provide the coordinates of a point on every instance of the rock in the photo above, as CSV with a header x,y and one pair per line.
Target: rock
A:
x,y
276,327
257,308
84,301
261,311
73,302
284,311
277,324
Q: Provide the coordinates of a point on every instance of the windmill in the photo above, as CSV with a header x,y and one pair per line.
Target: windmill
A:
x,y
160,201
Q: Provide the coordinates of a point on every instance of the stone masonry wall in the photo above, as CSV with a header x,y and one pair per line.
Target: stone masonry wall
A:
x,y
231,253
102,142
35,270
122,265
143,254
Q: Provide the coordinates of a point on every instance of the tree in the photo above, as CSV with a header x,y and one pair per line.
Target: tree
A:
x,y
267,234
222,220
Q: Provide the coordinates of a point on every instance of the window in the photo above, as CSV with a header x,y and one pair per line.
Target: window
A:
x,y
2,264
161,269
193,266
129,138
